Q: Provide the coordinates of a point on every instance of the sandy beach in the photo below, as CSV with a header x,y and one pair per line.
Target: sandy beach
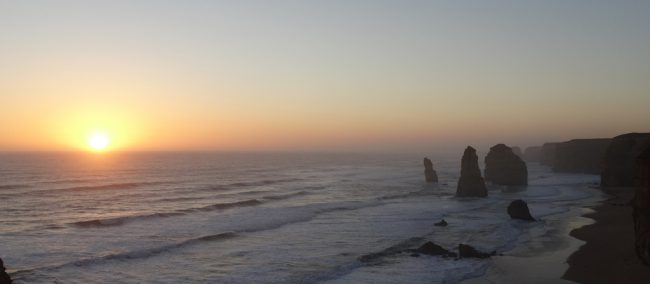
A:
x,y
608,255
594,243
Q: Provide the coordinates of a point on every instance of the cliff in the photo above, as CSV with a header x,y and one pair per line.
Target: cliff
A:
x,y
620,159
641,204
580,156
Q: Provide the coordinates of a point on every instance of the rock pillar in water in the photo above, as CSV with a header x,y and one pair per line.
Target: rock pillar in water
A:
x,y
470,183
503,166
429,173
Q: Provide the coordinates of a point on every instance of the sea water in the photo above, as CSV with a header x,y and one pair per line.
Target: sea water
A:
x,y
255,217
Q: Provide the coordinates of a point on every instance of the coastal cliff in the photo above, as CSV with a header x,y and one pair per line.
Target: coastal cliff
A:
x,y
641,204
580,156
620,159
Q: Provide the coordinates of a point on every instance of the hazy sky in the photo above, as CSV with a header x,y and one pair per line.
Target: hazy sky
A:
x,y
321,75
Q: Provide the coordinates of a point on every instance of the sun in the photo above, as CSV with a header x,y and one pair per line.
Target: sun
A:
x,y
98,141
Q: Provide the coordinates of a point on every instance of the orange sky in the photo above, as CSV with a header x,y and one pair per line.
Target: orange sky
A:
x,y
334,76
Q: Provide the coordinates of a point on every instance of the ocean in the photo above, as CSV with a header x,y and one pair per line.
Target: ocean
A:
x,y
257,217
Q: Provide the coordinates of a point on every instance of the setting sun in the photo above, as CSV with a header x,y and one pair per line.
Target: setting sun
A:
x,y
98,141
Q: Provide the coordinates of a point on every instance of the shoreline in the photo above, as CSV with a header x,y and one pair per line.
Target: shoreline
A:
x,y
541,254
608,254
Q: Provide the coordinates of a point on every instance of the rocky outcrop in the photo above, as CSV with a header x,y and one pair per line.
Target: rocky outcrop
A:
x,y
429,173
580,156
429,248
503,166
547,156
470,183
533,154
641,204
620,159
465,251
442,223
4,277
518,209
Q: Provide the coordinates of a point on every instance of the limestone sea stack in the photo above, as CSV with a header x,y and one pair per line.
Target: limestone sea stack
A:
x,y
470,183
4,277
503,166
429,173
517,151
641,204
620,159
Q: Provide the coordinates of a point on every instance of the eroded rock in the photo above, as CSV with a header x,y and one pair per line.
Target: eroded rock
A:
x,y
503,166
470,183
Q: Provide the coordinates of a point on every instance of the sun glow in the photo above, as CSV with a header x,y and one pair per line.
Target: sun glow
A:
x,y
98,141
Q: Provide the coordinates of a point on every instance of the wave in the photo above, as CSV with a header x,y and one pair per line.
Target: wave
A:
x,y
118,221
135,254
221,206
13,186
392,250
292,215
249,184
109,186
285,196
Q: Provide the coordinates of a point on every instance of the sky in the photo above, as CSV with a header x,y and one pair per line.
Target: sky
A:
x,y
320,75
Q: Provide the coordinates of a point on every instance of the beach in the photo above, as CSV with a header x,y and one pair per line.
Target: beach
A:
x,y
592,243
608,255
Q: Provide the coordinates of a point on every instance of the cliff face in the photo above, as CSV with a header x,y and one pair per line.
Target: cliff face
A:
x,y
533,154
470,183
504,167
641,205
619,163
580,156
547,155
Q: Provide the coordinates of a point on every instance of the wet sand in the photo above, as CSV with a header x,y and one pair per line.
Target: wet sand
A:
x,y
608,255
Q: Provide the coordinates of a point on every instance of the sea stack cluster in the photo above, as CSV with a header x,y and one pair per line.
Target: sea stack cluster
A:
x,y
504,167
470,183
641,205
429,173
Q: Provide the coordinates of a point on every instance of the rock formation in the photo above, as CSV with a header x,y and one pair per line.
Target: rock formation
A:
x,y
580,156
517,151
503,166
4,277
442,223
470,183
620,159
547,156
518,209
429,173
429,248
469,251
533,154
641,205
